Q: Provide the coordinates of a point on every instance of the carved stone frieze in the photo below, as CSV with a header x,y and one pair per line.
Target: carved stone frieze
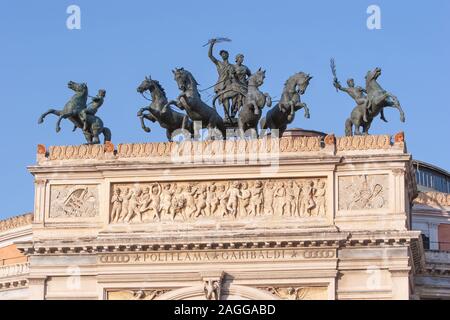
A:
x,y
150,294
74,201
187,201
16,222
364,192
298,293
79,152
433,199
368,142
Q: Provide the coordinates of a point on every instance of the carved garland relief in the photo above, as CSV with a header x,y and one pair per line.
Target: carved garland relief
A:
x,y
187,201
298,293
433,199
74,201
364,192
135,294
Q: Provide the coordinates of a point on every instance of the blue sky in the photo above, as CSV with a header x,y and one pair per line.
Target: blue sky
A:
x,y
122,41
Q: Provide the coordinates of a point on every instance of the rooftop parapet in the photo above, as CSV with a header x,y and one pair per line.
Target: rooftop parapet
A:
x,y
290,146
16,222
433,199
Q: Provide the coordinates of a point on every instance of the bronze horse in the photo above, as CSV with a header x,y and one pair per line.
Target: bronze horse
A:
x,y
283,113
72,111
190,100
167,118
379,99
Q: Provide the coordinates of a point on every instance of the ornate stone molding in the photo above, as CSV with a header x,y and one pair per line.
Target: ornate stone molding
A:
x,y
350,240
13,284
433,199
14,270
135,294
298,293
266,145
381,142
80,152
16,222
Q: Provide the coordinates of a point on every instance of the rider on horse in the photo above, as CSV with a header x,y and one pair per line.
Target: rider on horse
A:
x,y
359,95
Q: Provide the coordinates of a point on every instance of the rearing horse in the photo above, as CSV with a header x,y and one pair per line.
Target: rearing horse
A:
x,y
379,99
72,108
254,102
167,118
72,111
190,100
284,112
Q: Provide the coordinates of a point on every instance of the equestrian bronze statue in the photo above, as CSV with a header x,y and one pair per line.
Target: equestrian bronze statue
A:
x,y
167,118
81,115
370,102
232,83
283,113
197,110
253,103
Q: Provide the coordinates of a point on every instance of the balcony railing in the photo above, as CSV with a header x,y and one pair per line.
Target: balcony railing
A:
x,y
14,270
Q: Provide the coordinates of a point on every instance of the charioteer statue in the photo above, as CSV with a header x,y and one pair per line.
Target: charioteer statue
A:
x,y
232,83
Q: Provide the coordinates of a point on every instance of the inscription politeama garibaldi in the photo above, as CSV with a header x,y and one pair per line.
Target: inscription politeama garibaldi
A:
x,y
306,219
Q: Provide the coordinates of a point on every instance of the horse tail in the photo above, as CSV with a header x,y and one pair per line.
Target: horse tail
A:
x,y
349,127
107,134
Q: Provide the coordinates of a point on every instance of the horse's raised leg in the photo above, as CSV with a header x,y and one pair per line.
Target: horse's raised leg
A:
x,y
50,111
144,127
61,117
396,104
304,106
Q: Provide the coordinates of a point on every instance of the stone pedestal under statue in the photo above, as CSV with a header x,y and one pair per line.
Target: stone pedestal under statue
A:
x,y
290,218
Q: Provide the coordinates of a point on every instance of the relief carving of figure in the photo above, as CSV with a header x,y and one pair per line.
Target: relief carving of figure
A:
x,y
269,192
212,200
244,200
320,197
256,199
306,199
280,199
201,201
134,206
189,194
126,196
291,198
233,198
166,199
223,200
178,204
117,202
153,201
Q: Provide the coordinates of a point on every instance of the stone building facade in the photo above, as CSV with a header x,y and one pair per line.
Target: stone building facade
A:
x,y
290,218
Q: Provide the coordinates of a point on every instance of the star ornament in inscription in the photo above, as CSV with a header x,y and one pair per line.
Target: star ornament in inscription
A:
x,y
294,254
